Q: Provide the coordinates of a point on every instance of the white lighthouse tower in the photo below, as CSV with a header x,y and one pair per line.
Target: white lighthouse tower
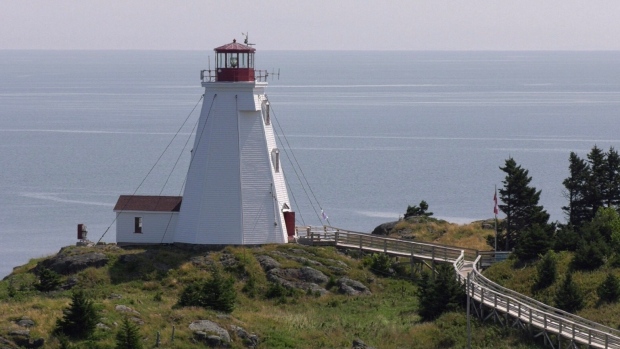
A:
x,y
235,191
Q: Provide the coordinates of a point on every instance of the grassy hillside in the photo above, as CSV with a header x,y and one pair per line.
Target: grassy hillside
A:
x,y
438,231
522,277
150,280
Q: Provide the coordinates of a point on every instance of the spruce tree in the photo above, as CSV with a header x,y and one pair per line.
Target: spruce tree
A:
x,y
128,336
609,290
80,319
533,242
546,271
577,191
612,169
49,280
568,296
520,204
440,294
597,181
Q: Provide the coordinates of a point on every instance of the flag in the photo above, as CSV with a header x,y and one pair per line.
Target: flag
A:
x,y
324,215
495,201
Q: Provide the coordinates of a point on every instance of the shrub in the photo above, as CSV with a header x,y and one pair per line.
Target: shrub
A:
x,y
128,336
49,280
532,242
609,290
568,297
440,294
546,271
80,319
380,263
413,211
217,293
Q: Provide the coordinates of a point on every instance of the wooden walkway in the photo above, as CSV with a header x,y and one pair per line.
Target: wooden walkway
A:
x,y
490,300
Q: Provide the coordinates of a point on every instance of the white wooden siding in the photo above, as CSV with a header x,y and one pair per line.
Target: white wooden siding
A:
x,y
157,227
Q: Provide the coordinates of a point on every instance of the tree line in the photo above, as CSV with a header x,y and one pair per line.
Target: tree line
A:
x,y
592,228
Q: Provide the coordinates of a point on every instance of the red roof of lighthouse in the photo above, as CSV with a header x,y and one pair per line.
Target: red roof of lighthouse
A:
x,y
235,47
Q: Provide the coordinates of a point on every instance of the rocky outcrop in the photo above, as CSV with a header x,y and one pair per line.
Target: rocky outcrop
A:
x,y
384,229
249,340
267,263
305,278
71,264
351,287
210,333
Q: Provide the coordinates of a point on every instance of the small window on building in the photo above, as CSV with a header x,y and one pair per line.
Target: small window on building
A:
x,y
275,159
137,225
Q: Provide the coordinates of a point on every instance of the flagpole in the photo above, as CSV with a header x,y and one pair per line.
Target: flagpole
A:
x,y
495,211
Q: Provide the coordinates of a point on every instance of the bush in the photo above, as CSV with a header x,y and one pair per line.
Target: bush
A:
x,y
217,293
609,290
440,294
80,319
413,211
546,271
49,280
380,263
532,242
568,297
128,336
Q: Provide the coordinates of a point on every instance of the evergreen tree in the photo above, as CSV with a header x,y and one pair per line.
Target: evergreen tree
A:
x,y
546,271
217,293
591,251
566,239
609,290
533,242
80,320
49,280
520,204
128,336
612,189
413,211
220,292
568,296
440,294
597,181
576,191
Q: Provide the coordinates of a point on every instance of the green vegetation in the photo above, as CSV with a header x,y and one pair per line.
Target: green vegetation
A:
x,y
414,211
440,293
80,319
151,281
128,336
217,293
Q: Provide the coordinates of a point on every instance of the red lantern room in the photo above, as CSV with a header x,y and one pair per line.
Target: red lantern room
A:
x,y
234,62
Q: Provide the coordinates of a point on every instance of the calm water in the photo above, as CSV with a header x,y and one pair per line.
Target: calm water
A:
x,y
372,131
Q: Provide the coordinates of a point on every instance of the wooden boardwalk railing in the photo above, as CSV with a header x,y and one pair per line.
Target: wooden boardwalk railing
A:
x,y
498,302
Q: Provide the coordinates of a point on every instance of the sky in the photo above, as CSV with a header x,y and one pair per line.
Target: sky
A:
x,y
311,24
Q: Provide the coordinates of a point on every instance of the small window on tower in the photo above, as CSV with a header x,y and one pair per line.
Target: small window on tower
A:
x,y
137,225
275,159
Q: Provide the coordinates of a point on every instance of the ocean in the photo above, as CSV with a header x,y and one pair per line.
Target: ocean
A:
x,y
372,132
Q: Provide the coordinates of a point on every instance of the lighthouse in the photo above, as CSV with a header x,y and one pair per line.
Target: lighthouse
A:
x,y
235,192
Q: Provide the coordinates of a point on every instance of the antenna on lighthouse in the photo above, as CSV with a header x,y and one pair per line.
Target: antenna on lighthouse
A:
x,y
246,39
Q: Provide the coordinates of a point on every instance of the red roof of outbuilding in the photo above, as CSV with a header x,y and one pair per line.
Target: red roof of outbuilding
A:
x,y
148,203
235,47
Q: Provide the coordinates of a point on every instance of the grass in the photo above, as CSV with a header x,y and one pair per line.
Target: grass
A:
x,y
438,231
151,279
521,278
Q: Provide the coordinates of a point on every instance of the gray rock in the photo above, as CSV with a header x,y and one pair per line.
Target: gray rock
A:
x,y
338,270
384,229
351,287
250,340
359,344
209,327
63,264
267,263
312,275
125,309
136,321
25,323
71,282
115,296
103,326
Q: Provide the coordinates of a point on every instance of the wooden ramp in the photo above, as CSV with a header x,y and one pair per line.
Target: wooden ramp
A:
x,y
490,300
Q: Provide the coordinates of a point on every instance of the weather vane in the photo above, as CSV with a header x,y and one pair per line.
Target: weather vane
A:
x,y
246,39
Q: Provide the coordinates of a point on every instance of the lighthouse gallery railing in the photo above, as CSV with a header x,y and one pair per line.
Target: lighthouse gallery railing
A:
x,y
528,312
